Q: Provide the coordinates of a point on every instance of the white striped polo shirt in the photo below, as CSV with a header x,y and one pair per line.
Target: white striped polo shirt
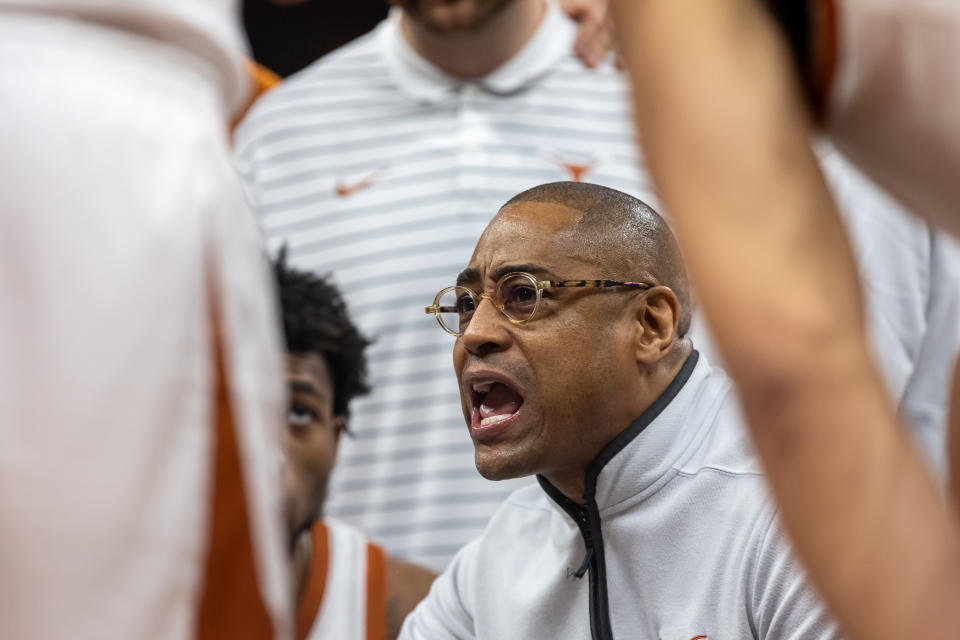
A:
x,y
378,167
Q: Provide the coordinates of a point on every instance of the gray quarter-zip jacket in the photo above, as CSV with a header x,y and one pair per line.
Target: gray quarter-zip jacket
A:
x,y
677,538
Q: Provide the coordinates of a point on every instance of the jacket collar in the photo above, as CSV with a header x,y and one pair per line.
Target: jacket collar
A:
x,y
427,83
636,463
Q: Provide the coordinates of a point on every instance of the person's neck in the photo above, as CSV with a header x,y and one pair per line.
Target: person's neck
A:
x,y
301,560
572,482
477,53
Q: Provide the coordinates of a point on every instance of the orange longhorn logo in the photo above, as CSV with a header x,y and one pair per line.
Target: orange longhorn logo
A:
x,y
577,171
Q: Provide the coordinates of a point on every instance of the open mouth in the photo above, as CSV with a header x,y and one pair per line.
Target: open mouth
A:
x,y
494,404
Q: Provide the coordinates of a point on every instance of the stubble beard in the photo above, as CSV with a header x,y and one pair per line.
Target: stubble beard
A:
x,y
484,14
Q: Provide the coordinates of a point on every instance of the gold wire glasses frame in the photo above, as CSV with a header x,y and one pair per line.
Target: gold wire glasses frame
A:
x,y
517,296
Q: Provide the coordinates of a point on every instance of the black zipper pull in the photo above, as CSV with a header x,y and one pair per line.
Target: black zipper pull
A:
x,y
583,521
582,571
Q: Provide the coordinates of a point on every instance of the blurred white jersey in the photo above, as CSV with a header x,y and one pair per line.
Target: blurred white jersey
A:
x,y
910,275
140,377
210,29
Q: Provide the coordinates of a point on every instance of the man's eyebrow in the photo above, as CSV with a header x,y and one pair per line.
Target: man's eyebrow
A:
x,y
473,275
532,269
297,386
468,275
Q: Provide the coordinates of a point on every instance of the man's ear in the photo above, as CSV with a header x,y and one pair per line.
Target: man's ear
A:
x,y
339,427
657,317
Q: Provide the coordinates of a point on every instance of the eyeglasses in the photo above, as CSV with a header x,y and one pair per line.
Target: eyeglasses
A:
x,y
517,296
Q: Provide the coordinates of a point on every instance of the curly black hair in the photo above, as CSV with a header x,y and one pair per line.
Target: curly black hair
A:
x,y
315,320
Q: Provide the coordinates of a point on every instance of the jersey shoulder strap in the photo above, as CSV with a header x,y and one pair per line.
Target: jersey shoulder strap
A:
x,y
346,592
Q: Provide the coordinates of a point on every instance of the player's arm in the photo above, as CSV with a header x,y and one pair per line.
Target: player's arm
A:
x,y
726,137
883,78
893,102
407,585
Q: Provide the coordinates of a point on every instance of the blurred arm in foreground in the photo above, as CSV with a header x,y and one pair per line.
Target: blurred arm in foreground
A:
x,y
719,109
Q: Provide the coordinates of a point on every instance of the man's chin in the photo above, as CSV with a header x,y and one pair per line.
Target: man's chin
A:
x,y
465,16
498,467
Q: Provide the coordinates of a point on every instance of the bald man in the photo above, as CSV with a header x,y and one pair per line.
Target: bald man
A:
x,y
787,315
649,516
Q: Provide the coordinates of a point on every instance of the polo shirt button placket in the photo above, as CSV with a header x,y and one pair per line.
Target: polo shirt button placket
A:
x,y
470,132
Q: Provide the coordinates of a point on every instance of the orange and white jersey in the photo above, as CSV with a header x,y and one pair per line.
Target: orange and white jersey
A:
x,y
345,596
141,392
894,103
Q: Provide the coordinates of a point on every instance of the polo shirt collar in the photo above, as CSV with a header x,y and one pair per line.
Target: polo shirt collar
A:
x,y
425,82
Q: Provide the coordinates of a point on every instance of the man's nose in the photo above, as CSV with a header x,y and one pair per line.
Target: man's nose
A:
x,y
487,331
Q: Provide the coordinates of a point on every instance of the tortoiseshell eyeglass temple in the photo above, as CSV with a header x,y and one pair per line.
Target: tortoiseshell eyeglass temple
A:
x,y
546,284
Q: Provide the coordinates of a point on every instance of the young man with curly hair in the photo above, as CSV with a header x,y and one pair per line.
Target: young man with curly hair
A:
x,y
346,586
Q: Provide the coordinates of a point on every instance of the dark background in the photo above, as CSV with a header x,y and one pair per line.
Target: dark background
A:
x,y
286,37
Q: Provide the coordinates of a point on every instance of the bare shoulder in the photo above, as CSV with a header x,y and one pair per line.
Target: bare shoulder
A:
x,y
407,585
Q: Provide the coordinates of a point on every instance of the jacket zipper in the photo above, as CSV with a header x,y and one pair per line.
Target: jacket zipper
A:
x,y
587,519
589,524
587,516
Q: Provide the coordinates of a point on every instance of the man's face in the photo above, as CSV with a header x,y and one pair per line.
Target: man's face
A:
x,y
452,16
311,437
542,397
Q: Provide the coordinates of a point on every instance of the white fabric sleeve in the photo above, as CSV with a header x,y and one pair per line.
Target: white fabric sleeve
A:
x,y
911,282
892,250
783,604
926,398
447,611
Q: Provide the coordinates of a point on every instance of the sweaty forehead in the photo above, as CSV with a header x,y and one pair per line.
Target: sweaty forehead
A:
x,y
530,232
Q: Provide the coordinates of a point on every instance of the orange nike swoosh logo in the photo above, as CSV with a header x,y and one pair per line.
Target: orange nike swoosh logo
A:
x,y
344,190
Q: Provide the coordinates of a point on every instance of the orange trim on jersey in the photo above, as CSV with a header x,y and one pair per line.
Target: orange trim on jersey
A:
x,y
309,605
230,605
376,593
263,79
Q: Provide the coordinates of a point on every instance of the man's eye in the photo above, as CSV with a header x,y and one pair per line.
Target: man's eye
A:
x,y
464,304
523,294
301,416
519,294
